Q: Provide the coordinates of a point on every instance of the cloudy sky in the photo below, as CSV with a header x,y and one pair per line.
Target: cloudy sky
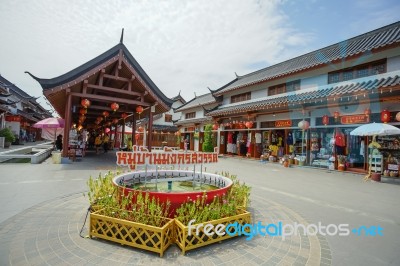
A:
x,y
182,45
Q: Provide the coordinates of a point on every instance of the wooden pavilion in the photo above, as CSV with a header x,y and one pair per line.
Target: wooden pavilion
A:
x,y
108,90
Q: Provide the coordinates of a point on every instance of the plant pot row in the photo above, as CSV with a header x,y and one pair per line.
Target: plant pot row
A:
x,y
158,239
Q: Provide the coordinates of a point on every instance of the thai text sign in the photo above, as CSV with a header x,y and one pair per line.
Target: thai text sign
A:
x,y
354,119
138,157
283,123
13,118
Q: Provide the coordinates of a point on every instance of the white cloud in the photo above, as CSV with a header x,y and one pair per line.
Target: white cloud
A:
x,y
182,45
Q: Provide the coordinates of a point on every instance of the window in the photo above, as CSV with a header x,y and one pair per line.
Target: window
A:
x,y
373,68
241,97
190,115
285,87
168,118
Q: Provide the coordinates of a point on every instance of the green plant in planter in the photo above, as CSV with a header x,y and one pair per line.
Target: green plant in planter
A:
x,y
220,207
7,134
208,140
341,159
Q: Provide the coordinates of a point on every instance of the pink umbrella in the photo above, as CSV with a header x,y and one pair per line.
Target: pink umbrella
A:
x,y
51,122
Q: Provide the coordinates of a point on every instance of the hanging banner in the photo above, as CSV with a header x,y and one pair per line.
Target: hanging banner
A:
x,y
354,119
283,123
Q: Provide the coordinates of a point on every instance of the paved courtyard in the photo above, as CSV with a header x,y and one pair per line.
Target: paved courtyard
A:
x,y
43,209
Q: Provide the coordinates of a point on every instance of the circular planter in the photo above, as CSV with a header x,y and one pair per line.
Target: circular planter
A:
x,y
175,198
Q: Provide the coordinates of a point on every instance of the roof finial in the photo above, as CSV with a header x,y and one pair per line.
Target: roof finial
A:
x,y
179,93
195,96
236,75
122,36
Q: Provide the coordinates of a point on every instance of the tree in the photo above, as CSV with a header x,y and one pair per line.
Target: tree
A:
x,y
208,139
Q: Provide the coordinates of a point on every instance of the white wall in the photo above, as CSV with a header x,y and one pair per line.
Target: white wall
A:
x,y
393,63
315,81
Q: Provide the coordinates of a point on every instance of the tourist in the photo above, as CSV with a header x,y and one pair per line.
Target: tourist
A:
x,y
106,138
59,144
97,143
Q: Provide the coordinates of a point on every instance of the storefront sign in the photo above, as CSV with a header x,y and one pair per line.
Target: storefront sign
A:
x,y
140,157
283,123
354,119
13,118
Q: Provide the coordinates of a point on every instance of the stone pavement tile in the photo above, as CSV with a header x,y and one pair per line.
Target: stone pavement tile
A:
x,y
57,241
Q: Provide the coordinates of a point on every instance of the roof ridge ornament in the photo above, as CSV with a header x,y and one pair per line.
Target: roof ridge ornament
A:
x,y
121,40
236,75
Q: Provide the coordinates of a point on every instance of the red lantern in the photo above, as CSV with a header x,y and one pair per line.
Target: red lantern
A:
x,y
115,121
124,115
83,111
106,114
367,112
114,107
249,124
336,115
107,130
385,116
139,109
137,136
325,120
215,126
398,116
85,103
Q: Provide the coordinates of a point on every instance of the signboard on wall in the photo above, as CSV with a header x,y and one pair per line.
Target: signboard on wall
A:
x,y
283,123
13,118
354,119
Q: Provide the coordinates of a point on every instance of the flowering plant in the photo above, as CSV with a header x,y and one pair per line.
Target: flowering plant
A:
x,y
342,159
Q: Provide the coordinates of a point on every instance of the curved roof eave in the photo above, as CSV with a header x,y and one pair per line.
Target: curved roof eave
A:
x,y
104,57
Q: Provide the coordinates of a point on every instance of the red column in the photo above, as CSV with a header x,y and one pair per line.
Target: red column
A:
x,y
133,129
67,116
150,129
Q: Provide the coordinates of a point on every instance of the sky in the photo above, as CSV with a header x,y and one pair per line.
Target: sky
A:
x,y
182,45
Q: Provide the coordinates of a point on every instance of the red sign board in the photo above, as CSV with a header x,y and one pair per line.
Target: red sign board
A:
x,y
13,118
283,123
354,119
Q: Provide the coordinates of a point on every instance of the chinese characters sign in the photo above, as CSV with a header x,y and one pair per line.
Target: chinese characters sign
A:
x,y
354,119
283,123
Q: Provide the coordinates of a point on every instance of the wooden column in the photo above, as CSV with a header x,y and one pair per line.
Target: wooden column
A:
x,y
67,124
123,134
133,129
150,129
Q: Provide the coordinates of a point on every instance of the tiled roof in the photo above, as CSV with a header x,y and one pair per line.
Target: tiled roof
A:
x,y
193,121
197,101
343,89
366,42
79,71
14,88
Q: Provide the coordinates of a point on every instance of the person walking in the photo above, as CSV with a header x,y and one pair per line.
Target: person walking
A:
x,y
97,143
106,138
59,142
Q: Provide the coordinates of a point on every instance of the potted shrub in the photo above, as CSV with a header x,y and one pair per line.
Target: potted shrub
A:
x,y
341,162
8,136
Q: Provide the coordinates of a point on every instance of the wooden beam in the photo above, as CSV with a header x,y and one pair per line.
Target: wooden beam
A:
x,y
101,77
84,87
114,90
117,78
109,99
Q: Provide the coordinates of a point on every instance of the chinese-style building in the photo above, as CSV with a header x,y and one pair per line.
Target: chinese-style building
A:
x,y
108,90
